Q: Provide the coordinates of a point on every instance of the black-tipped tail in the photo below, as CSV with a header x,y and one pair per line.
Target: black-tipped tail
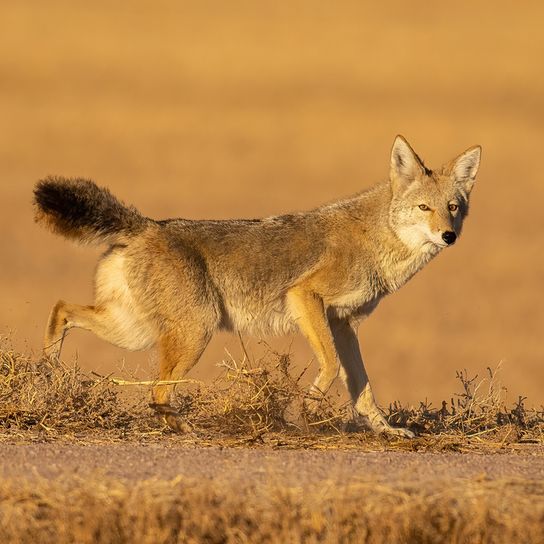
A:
x,y
80,210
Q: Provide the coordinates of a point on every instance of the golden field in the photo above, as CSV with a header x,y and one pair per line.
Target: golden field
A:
x,y
243,109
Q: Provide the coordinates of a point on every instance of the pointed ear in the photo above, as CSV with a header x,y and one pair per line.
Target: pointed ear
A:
x,y
406,166
464,168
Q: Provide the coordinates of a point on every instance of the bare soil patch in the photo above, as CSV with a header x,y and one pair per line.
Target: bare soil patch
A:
x,y
242,467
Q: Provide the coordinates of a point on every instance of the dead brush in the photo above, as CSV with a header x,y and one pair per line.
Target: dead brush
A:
x,y
47,395
479,409
248,400
255,398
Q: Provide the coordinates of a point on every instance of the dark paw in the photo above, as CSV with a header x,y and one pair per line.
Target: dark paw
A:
x,y
171,417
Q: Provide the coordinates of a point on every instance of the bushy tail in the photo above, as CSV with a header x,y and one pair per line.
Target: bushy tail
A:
x,y
78,209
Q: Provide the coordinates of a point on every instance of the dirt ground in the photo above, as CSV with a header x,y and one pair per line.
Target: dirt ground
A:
x,y
82,461
240,467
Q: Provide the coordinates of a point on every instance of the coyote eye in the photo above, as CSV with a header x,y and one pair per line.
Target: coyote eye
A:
x,y
453,207
424,207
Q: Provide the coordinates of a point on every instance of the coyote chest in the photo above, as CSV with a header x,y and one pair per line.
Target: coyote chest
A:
x,y
360,296
354,303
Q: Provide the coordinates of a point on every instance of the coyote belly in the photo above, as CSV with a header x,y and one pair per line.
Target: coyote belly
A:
x,y
173,283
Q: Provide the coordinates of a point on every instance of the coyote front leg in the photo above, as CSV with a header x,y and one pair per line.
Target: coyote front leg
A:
x,y
309,312
356,378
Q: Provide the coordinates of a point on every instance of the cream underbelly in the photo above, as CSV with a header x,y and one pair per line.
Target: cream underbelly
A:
x,y
352,299
279,318
259,320
352,304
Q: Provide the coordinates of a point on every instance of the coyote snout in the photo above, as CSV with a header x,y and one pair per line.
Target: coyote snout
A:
x,y
173,283
449,237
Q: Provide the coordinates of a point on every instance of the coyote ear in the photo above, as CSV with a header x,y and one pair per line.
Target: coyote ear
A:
x,y
406,166
464,168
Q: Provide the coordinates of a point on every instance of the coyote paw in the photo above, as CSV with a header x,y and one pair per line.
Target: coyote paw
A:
x,y
171,417
398,431
385,428
311,406
377,423
313,402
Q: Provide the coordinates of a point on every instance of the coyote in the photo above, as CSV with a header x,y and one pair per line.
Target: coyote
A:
x,y
173,283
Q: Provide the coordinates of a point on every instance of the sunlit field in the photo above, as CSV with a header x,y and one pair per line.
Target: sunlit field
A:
x,y
244,109
205,110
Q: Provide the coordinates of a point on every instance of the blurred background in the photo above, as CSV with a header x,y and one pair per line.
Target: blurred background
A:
x,y
243,109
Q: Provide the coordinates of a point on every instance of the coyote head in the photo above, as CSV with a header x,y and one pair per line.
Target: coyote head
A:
x,y
428,208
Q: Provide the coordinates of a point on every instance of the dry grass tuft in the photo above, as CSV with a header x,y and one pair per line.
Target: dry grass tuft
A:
x,y
254,400
247,402
52,397
251,405
480,410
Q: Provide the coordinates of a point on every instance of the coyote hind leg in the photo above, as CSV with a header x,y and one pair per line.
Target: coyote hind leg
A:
x,y
178,352
111,322
65,316
55,330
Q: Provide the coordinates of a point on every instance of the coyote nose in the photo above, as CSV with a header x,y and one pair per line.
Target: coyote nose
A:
x,y
449,237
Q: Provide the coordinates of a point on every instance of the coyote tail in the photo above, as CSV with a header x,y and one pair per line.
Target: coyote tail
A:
x,y
80,210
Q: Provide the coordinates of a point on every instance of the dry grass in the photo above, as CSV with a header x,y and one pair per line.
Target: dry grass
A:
x,y
252,405
154,511
257,403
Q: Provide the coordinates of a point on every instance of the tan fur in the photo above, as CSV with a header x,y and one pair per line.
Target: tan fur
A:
x,y
174,283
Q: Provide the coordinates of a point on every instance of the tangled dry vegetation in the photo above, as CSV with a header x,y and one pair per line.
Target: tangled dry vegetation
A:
x,y
249,404
252,405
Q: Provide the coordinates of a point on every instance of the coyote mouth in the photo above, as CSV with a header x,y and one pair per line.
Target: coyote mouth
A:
x,y
435,245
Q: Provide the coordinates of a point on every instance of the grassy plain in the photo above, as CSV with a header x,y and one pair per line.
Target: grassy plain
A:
x,y
243,109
